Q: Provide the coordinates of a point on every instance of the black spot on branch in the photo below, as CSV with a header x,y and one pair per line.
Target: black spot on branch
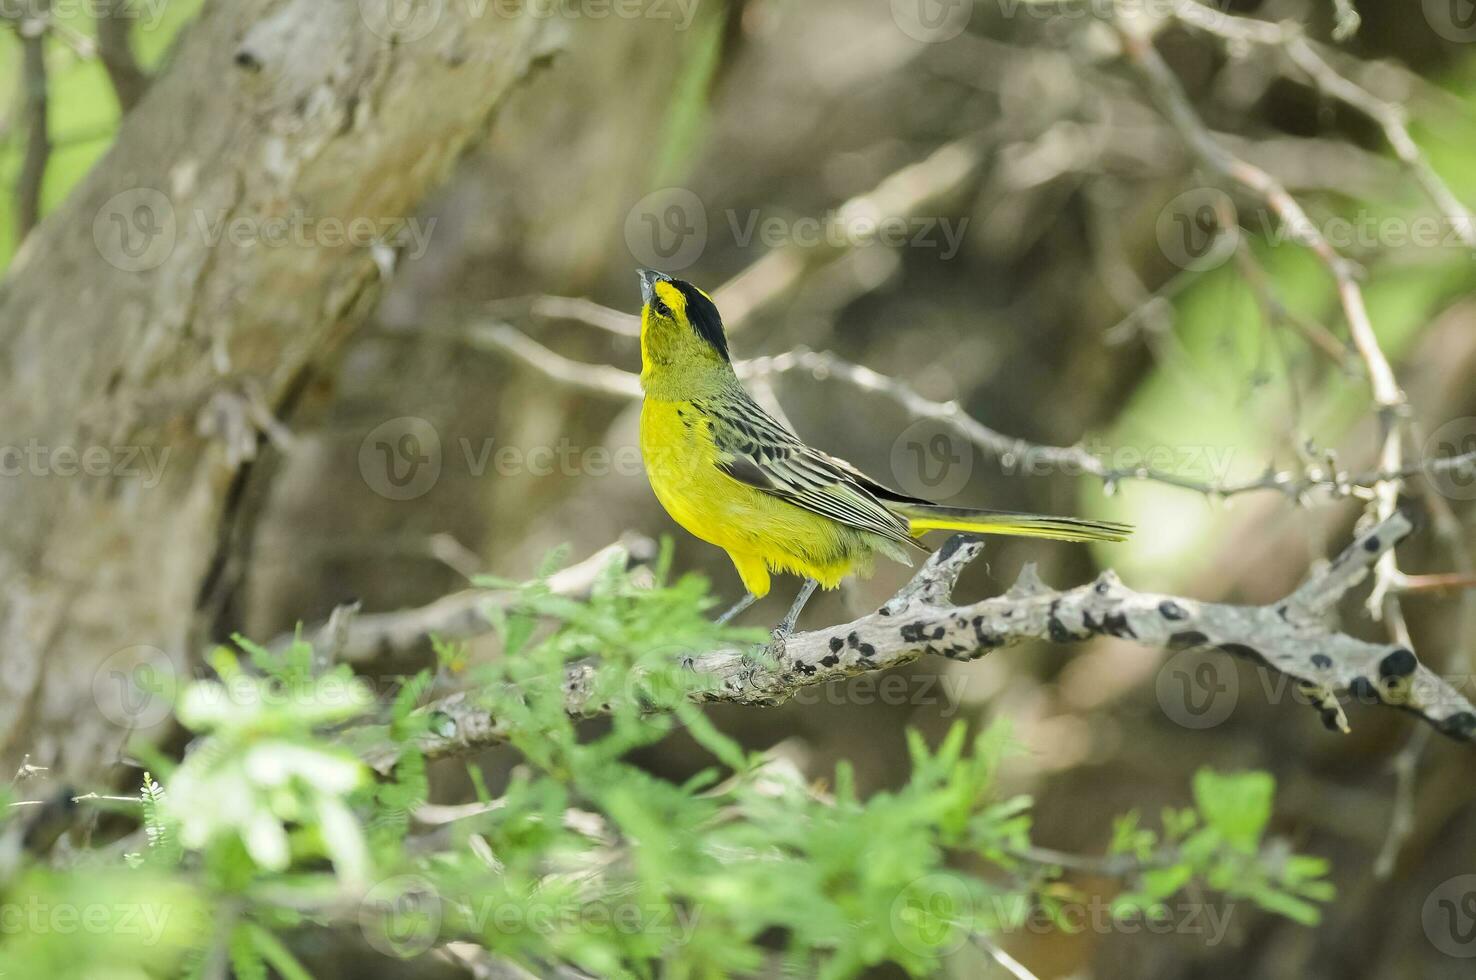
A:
x,y
986,639
1460,725
1117,625
1399,663
954,542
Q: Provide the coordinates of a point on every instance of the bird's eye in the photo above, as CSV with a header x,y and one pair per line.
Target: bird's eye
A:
x,y
660,308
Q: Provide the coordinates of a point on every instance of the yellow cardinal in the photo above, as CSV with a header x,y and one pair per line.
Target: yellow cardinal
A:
x,y
731,474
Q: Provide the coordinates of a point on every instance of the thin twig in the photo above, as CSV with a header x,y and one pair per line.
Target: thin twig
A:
x,y
28,186
1440,583
996,952
606,380
1389,401
115,49
367,636
900,194
1290,38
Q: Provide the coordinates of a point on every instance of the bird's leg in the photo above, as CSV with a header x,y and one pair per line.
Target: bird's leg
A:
x,y
790,618
748,599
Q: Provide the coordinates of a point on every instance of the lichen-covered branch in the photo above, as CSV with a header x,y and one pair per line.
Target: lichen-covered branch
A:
x,y
1290,636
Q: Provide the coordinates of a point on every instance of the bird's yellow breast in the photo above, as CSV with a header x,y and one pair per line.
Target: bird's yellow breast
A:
x,y
760,532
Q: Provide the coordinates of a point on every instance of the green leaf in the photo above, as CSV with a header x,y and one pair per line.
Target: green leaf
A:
x,y
1161,883
1238,805
1293,908
275,953
246,961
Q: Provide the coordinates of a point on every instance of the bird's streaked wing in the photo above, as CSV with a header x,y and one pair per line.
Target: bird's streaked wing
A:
x,y
759,451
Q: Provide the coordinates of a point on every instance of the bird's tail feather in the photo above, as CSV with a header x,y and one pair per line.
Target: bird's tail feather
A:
x,y
922,518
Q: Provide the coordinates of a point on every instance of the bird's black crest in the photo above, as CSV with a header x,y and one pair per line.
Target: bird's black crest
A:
x,y
705,318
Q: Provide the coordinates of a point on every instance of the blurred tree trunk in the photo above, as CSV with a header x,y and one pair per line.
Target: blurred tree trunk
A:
x,y
156,323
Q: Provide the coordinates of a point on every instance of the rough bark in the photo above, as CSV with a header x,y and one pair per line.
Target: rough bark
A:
x,y
157,322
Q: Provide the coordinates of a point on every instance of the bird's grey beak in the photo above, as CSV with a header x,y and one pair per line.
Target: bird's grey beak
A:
x,y
649,278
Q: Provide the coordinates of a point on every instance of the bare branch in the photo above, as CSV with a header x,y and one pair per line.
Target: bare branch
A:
x,y
1389,401
1287,636
587,312
605,380
36,100
463,614
1289,37
902,193
599,378
115,49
